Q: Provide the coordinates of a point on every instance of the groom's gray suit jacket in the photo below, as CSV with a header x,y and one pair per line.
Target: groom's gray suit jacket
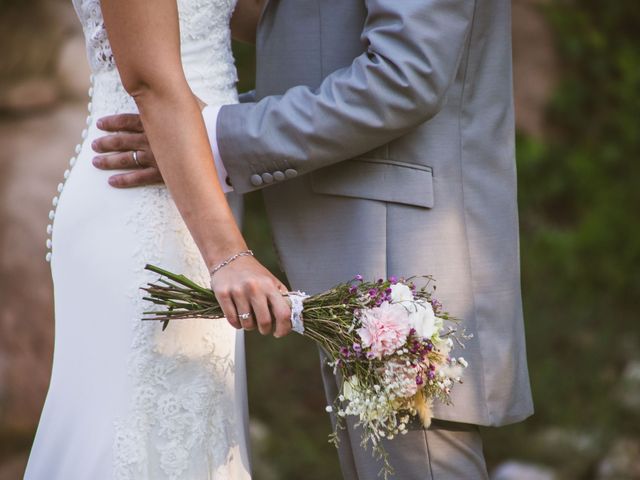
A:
x,y
384,130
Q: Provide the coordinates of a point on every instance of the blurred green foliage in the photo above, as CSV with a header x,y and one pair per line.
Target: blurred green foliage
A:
x,y
579,206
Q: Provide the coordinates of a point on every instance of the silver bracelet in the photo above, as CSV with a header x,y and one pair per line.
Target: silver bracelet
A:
x,y
244,253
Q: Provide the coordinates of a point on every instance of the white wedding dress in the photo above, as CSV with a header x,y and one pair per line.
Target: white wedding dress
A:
x,y
127,401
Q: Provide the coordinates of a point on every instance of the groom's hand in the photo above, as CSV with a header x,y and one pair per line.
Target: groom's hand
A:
x,y
116,152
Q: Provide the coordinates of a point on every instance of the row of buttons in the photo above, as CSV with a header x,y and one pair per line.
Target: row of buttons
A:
x,y
72,162
278,176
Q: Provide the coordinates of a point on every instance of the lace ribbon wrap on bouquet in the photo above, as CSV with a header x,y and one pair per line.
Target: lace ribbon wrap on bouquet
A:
x,y
297,307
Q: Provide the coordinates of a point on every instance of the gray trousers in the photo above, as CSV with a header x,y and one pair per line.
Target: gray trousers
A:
x,y
445,451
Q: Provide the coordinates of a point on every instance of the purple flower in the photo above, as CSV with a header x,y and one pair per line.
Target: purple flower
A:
x,y
353,289
431,375
373,292
344,351
436,305
393,279
357,348
419,380
359,278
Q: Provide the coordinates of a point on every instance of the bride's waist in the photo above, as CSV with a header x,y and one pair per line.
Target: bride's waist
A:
x,y
108,95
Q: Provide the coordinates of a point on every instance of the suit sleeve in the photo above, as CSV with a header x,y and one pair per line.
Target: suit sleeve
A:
x,y
247,97
414,48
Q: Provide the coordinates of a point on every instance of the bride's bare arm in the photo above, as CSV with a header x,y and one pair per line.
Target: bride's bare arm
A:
x,y
245,20
145,39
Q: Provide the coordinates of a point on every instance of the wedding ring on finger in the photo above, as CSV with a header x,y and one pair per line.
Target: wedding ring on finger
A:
x,y
244,316
134,156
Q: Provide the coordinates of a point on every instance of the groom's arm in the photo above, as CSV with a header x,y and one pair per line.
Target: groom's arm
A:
x,y
414,48
413,52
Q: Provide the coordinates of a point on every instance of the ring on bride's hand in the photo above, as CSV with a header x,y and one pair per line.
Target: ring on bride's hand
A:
x,y
244,316
134,155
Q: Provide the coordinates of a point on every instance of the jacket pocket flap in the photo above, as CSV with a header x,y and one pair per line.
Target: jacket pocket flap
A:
x,y
374,179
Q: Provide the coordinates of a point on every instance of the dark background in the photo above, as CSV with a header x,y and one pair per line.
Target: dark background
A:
x,y
577,83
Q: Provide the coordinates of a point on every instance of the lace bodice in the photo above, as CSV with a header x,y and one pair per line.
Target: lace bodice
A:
x,y
205,43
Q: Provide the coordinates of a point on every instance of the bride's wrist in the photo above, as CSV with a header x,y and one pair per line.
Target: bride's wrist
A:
x,y
230,259
219,255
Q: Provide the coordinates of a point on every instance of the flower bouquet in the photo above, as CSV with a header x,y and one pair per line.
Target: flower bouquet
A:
x,y
386,339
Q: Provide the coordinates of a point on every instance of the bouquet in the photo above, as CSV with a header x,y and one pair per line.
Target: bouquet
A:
x,y
386,339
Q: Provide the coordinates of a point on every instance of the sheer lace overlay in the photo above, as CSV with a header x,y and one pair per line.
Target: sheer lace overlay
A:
x,y
206,52
204,21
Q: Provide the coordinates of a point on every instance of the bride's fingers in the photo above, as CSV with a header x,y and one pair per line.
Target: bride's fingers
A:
x,y
262,313
244,312
282,315
281,287
229,309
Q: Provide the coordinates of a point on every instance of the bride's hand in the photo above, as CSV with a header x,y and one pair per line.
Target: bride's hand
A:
x,y
244,286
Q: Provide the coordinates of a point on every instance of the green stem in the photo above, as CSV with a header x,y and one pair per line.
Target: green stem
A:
x,y
180,279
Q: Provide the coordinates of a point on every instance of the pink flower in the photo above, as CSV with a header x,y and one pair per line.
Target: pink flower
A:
x,y
384,329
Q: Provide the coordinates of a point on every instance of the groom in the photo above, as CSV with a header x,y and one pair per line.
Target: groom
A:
x,y
383,132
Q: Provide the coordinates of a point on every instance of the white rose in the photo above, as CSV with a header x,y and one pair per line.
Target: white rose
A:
x,y
350,388
401,293
438,325
423,319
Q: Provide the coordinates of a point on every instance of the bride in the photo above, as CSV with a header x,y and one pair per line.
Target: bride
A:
x,y
125,400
